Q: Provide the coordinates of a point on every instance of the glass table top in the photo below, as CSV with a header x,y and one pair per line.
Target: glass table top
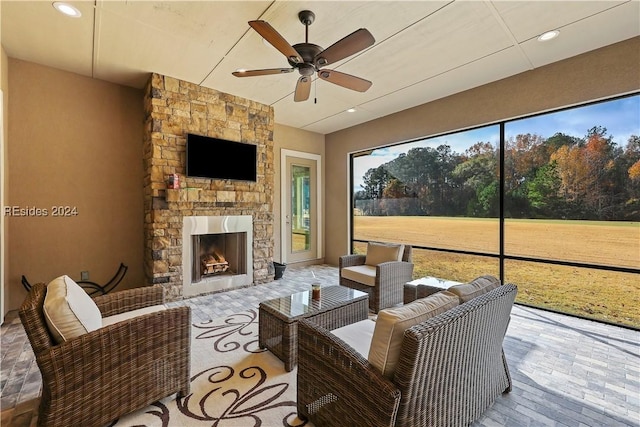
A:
x,y
302,303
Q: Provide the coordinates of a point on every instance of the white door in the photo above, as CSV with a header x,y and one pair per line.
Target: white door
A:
x,y
300,206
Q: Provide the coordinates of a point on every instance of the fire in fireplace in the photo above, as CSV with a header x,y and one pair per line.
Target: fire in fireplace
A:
x,y
218,254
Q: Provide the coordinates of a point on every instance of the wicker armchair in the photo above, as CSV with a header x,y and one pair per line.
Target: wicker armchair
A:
x,y
451,369
389,281
99,376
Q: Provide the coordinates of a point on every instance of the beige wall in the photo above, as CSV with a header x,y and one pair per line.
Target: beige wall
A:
x,y
299,140
74,141
606,72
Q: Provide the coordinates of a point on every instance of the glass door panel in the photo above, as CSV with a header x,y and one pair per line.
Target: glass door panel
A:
x,y
300,210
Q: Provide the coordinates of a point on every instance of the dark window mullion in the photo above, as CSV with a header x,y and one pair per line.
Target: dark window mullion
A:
x,y
501,244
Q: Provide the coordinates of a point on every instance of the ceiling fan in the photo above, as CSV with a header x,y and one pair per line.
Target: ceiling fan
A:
x,y
309,58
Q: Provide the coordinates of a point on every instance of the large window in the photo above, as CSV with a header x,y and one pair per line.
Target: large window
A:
x,y
549,202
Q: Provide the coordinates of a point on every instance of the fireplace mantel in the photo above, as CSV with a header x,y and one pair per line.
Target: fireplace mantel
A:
x,y
199,195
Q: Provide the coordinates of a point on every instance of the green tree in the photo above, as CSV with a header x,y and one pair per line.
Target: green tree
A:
x,y
426,172
543,191
479,177
375,181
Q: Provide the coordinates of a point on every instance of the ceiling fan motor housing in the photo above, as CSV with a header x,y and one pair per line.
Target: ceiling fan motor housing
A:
x,y
307,52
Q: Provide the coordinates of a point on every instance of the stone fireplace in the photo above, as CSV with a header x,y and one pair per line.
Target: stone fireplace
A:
x,y
174,108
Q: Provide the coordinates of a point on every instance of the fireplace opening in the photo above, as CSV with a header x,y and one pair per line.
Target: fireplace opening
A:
x,y
220,254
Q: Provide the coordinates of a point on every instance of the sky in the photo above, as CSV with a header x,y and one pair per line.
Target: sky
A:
x,y
621,117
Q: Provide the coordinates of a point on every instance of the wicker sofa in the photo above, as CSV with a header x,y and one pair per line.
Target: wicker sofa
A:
x,y
385,279
92,379
451,367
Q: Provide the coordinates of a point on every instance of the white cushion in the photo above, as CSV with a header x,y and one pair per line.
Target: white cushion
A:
x,y
110,320
392,322
365,274
68,310
377,253
358,335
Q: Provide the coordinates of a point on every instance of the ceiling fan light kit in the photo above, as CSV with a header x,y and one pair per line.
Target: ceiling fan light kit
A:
x,y
309,58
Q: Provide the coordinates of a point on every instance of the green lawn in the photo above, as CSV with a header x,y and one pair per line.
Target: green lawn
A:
x,y
597,294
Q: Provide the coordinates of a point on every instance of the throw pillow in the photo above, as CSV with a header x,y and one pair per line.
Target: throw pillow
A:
x,y
68,310
377,253
478,286
392,322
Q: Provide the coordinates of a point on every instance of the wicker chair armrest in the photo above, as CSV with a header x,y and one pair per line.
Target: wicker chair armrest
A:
x,y
351,260
337,386
128,353
129,299
394,273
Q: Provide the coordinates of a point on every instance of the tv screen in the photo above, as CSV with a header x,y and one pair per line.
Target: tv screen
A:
x,y
216,158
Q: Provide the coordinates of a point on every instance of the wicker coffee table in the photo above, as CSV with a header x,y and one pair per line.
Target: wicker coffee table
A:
x,y
278,320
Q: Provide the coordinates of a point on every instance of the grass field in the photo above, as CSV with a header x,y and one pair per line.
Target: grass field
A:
x,y
598,294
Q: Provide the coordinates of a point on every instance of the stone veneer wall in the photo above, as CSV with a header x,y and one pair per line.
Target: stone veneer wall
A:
x,y
174,108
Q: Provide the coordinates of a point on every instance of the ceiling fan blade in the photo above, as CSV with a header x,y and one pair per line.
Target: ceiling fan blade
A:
x,y
345,80
353,43
303,89
265,72
272,36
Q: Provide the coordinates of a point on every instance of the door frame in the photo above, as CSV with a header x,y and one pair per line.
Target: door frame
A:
x,y
4,162
284,184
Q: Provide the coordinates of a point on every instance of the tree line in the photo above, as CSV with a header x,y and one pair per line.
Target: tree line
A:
x,y
589,178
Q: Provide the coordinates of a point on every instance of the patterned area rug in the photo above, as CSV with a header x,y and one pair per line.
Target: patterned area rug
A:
x,y
233,382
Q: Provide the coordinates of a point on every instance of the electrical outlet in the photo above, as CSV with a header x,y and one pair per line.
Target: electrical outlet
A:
x,y
84,275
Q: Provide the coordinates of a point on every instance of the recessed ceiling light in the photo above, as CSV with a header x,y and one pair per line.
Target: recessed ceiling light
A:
x,y
67,9
548,35
351,110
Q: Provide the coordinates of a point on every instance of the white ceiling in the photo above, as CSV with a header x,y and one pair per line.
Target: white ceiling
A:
x,y
424,50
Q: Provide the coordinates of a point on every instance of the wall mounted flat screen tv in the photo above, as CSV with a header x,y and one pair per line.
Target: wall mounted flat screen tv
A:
x,y
216,158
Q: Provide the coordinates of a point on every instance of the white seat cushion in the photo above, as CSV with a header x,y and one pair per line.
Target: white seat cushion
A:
x,y
358,335
364,274
392,322
110,320
68,310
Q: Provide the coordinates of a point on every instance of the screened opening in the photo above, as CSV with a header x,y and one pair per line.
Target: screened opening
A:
x,y
550,202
